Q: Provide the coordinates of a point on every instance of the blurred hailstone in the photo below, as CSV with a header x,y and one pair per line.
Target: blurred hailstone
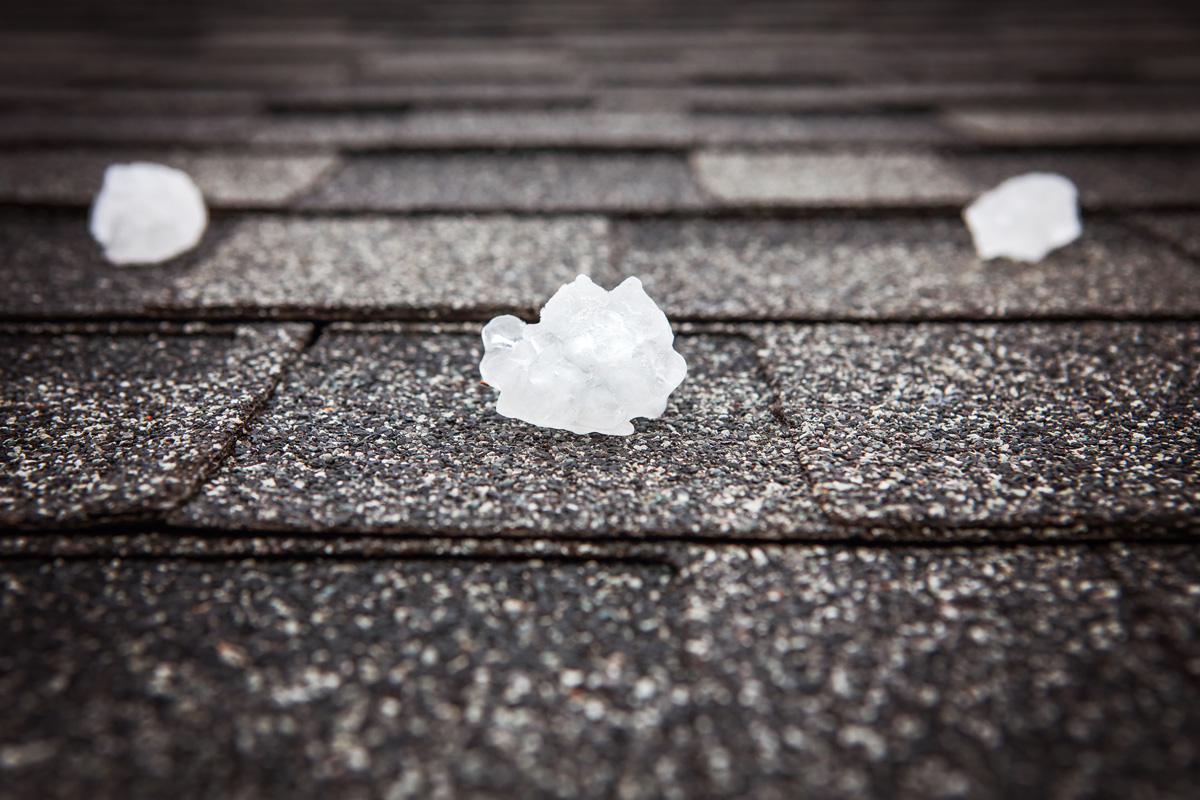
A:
x,y
1025,217
594,361
147,213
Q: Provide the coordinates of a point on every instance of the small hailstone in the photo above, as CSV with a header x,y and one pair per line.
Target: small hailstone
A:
x,y
147,213
1025,217
596,360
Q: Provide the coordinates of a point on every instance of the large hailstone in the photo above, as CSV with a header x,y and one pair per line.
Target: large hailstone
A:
x,y
596,360
147,213
1025,217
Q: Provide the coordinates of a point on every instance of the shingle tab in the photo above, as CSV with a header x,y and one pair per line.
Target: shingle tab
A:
x,y
72,178
875,270
1181,228
381,431
1075,127
121,423
998,425
520,182
431,266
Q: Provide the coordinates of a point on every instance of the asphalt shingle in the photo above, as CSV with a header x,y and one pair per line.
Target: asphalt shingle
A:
x,y
995,425
118,423
523,182
877,270
384,431
1042,127
431,266
72,178
1182,229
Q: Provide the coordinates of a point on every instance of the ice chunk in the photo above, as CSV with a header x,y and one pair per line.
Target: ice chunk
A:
x,y
595,361
1025,217
147,213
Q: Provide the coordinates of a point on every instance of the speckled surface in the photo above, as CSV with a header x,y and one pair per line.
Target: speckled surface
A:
x,y
762,671
1003,425
823,179
910,269
379,265
518,182
1182,229
52,266
72,177
387,431
122,422
1071,127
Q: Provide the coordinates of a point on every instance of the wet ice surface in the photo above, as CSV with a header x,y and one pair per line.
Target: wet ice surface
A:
x,y
596,360
147,213
1025,218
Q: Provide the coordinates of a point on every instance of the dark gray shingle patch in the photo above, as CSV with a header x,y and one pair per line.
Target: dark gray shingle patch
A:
x,y
132,101
111,423
1182,228
72,177
765,672
525,182
934,673
889,270
52,267
430,266
1024,127
359,97
382,431
409,679
1032,424
126,129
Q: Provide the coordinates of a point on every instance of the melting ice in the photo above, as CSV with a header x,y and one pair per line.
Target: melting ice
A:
x,y
596,360
147,213
1025,217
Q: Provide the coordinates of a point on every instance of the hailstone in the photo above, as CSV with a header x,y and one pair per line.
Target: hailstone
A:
x,y
1025,217
596,360
147,213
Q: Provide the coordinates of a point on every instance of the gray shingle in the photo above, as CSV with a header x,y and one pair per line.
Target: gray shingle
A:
x,y
1075,127
522,182
894,270
915,673
1182,228
382,431
431,266
72,178
824,179
105,424
1032,424
769,671
392,98
879,179
126,129
52,267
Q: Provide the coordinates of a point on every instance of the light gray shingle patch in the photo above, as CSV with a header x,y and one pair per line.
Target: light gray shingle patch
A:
x,y
587,129
822,179
525,182
914,179
934,673
1019,127
120,423
894,270
384,431
126,129
433,266
1181,228
1032,424
72,178
403,679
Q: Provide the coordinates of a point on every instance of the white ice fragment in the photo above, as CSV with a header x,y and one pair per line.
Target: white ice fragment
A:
x,y
1025,217
147,213
595,361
